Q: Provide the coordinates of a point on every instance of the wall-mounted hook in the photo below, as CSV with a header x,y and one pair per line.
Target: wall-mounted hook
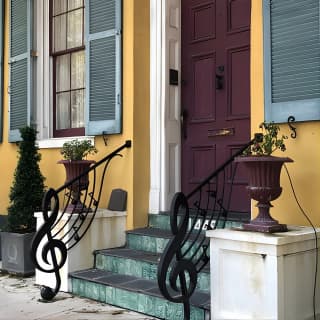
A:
x,y
292,128
105,137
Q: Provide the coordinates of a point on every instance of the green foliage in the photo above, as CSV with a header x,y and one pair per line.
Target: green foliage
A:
x,y
270,142
77,149
28,188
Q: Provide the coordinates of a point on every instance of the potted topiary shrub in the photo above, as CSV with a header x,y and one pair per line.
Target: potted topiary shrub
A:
x,y
25,196
75,163
264,176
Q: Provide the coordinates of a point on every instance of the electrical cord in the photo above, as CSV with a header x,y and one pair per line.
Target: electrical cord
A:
x,y
316,241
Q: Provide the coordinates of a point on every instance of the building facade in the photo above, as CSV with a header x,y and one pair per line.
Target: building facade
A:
x,y
188,82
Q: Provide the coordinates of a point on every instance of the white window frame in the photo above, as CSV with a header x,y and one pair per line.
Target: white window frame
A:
x,y
42,91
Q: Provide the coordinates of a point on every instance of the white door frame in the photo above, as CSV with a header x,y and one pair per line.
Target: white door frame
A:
x,y
165,143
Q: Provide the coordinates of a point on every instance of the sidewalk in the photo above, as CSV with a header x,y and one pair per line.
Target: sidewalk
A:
x,y
20,300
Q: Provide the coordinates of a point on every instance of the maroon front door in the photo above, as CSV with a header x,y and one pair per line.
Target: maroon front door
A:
x,y
215,88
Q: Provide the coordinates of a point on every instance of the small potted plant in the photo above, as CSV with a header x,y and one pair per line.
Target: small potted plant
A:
x,y
25,196
264,176
270,142
75,153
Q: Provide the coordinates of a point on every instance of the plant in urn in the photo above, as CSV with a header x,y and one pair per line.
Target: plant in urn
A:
x,y
264,177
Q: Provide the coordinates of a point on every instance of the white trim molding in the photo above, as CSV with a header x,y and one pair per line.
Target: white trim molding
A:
x,y
165,145
155,103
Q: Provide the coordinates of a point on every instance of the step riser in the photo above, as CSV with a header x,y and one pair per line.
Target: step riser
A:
x,y
140,269
151,305
162,221
127,266
146,243
155,244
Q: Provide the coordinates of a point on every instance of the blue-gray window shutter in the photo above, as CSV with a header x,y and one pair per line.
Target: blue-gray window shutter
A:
x,y
292,60
103,66
20,72
1,66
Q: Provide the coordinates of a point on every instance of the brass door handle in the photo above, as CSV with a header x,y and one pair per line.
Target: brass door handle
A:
x,y
221,132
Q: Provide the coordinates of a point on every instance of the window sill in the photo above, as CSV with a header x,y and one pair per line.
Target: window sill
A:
x,y
58,142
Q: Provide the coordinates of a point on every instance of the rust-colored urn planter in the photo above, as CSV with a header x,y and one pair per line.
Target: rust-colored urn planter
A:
x,y
73,169
264,187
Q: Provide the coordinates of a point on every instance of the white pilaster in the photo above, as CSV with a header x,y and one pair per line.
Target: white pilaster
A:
x,y
155,103
263,276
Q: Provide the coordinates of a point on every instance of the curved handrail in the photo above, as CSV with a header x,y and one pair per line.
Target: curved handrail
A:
x,y
187,253
51,237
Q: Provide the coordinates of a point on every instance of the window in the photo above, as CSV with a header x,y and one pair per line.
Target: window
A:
x,y
292,60
65,67
67,50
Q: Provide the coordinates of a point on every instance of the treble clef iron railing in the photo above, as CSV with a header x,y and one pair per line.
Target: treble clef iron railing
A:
x,y
205,208
52,242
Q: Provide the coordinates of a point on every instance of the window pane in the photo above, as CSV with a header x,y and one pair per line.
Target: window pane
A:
x,y
59,6
60,31
75,28
73,4
78,70
63,110
63,73
77,108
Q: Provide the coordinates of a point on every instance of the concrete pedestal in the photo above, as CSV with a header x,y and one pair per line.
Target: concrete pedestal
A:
x,y
263,276
106,231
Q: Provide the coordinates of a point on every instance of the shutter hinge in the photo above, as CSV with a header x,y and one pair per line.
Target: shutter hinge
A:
x,y
118,99
118,32
33,53
105,137
290,120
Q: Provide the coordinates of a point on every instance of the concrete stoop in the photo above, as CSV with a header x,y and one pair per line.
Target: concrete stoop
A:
x,y
127,277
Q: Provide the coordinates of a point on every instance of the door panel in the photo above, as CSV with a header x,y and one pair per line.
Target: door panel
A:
x,y
215,88
202,11
199,168
203,105
238,83
238,15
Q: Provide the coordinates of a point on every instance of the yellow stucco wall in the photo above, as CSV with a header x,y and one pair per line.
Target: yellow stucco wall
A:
x,y
304,150
130,172
141,115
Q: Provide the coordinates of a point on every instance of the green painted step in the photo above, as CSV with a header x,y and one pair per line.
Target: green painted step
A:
x,y
148,239
154,240
162,220
135,294
127,277
140,264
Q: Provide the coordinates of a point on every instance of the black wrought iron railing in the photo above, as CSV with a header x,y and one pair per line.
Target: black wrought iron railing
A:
x,y
80,201
207,207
